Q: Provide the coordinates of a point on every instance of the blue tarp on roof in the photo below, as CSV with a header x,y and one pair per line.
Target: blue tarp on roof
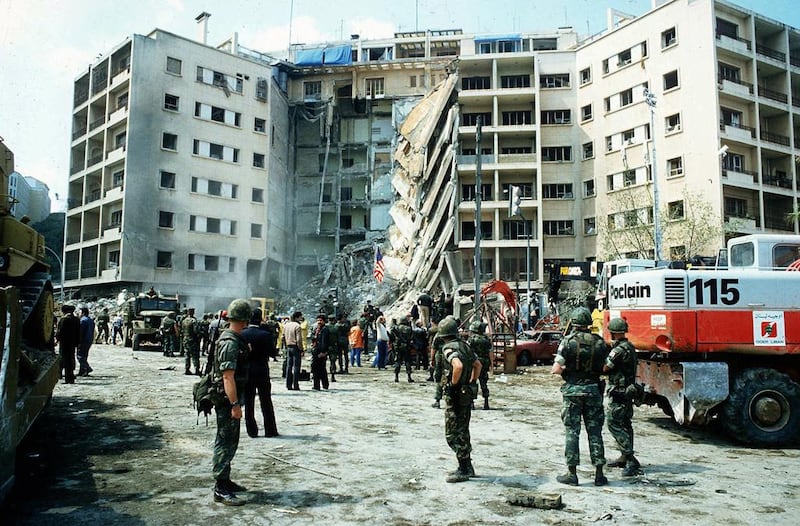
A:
x,y
498,38
332,56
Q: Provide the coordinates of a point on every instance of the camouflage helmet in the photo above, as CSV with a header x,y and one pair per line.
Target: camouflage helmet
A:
x,y
476,327
448,327
239,310
618,325
581,317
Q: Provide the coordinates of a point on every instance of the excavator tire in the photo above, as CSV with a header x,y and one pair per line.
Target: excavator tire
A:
x,y
763,408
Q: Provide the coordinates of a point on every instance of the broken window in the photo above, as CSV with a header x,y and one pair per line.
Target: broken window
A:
x,y
374,87
558,80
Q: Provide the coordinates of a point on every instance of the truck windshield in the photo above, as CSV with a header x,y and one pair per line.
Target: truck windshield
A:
x,y
158,304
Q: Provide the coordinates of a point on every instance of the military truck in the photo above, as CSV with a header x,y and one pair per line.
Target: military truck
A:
x,y
29,367
143,315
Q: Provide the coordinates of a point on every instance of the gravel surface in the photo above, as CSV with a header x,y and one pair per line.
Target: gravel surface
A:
x,y
122,447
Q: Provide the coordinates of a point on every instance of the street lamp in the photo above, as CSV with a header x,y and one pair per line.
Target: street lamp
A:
x,y
60,264
650,99
514,209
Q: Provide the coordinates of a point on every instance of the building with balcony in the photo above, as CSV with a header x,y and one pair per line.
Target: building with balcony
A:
x,y
178,172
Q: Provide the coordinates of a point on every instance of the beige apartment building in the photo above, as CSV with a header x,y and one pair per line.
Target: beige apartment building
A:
x,y
218,171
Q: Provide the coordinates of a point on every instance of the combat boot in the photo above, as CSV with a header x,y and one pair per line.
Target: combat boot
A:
x,y
619,462
333,378
631,467
459,475
396,377
226,496
469,469
436,404
410,380
599,478
570,478
486,404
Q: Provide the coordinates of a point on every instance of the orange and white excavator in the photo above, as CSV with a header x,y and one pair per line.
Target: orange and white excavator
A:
x,y
721,342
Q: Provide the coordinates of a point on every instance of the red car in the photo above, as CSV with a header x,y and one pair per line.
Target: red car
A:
x,y
536,347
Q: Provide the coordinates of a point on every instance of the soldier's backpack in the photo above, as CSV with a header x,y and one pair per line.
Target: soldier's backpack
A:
x,y
204,393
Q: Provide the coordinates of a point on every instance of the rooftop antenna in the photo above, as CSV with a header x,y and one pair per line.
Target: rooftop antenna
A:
x,y
202,20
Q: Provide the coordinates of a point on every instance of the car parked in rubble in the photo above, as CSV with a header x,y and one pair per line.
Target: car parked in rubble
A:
x,y
536,347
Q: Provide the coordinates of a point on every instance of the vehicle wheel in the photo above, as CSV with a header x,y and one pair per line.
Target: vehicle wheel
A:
x,y
135,342
524,359
38,327
763,408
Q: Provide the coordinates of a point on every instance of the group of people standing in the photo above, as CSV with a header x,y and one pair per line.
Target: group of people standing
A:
x,y
75,336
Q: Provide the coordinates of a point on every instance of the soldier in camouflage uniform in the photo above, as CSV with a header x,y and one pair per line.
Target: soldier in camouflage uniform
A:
x,y
461,371
204,324
169,333
333,347
402,346
229,379
342,335
190,333
579,360
481,345
621,369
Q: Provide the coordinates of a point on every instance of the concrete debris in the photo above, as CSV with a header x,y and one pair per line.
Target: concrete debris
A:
x,y
543,501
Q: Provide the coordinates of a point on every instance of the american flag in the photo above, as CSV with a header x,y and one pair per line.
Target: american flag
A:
x,y
379,268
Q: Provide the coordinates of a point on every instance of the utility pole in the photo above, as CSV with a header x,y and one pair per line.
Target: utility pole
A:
x,y
650,99
477,301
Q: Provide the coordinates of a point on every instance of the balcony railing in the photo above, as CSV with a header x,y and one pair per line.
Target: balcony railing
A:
x,y
794,61
75,168
81,96
94,160
92,196
796,100
776,138
748,85
771,53
752,174
91,234
781,181
79,132
772,94
96,123
73,203
752,130
73,238
734,37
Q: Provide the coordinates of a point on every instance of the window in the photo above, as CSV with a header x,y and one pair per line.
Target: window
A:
x,y
727,28
668,37
626,97
226,83
214,188
113,258
119,140
515,81
345,222
675,210
733,162
624,58
515,118
174,66
260,125
470,83
675,167
171,102
609,143
258,160
468,230
556,117
671,80
167,180
672,123
261,89
231,264
211,263
217,114
215,151
516,229
735,207
586,76
255,230
731,117
169,141
589,226
557,153
374,88
163,259
557,191
558,228
607,104
728,72
677,253
312,90
116,218
588,188
212,225
346,193
628,135
559,80
605,66
471,119
468,192
629,177
586,112
166,219
525,190
257,195
588,150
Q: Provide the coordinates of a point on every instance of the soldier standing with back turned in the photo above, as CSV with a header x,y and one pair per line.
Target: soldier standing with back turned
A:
x,y
461,370
230,378
579,360
191,341
621,369
481,345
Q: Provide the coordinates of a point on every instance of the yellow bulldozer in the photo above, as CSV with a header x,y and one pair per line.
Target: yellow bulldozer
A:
x,y
29,367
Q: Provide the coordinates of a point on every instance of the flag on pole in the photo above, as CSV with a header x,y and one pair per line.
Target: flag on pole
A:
x,y
379,268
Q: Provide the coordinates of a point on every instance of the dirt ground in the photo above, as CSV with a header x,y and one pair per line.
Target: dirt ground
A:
x,y
122,447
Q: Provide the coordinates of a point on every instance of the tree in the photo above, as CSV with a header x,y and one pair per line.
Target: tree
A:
x,y
690,223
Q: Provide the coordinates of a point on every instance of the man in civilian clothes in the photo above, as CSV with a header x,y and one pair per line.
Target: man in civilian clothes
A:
x,y
262,348
86,339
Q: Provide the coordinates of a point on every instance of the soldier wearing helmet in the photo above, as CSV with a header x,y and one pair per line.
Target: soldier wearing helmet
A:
x,y
461,370
482,346
621,369
402,342
579,360
230,377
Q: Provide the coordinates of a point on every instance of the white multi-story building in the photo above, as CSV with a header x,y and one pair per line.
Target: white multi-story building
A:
x,y
30,197
178,172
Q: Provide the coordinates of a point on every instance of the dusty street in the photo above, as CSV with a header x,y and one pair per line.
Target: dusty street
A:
x,y
122,447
